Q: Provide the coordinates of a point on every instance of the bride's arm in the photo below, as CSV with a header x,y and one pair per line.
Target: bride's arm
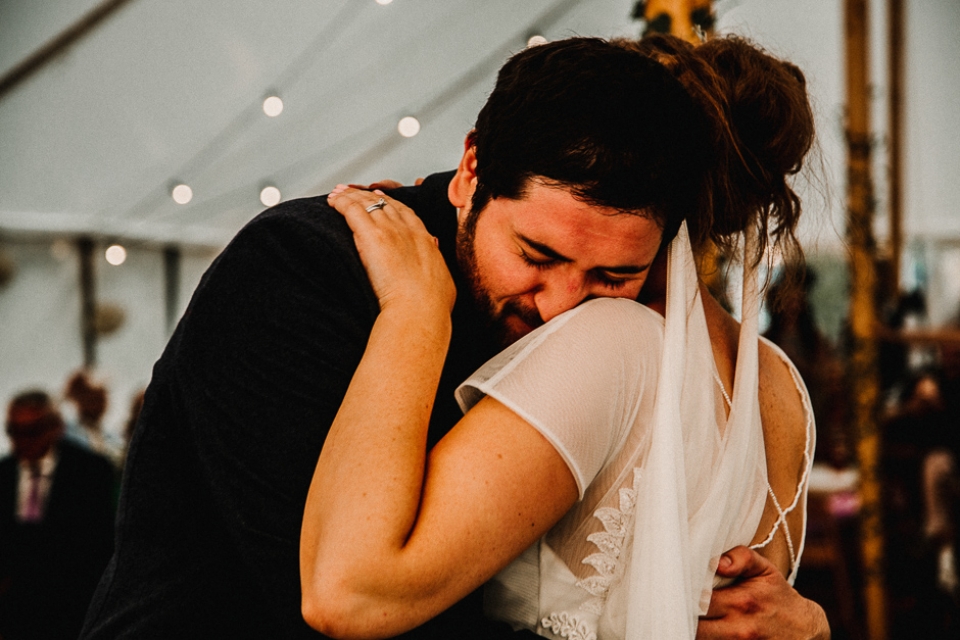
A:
x,y
388,540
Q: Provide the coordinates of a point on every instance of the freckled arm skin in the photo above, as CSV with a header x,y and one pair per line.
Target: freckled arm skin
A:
x,y
391,538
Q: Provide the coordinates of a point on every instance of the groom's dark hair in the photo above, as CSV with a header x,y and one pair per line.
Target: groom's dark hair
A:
x,y
612,126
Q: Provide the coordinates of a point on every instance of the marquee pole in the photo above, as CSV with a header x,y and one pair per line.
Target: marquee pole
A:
x,y
863,363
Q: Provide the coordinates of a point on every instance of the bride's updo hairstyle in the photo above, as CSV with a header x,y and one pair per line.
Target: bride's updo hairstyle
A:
x,y
761,127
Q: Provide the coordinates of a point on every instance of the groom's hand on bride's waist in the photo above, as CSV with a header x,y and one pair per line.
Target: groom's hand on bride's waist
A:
x,y
759,604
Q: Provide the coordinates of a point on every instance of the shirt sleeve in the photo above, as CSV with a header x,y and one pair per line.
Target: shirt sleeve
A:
x,y
578,380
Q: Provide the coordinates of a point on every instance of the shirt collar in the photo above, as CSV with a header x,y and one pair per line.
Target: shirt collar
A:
x,y
47,463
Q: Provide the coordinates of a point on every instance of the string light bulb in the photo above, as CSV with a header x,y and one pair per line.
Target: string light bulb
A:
x,y
115,254
182,194
269,195
408,127
273,106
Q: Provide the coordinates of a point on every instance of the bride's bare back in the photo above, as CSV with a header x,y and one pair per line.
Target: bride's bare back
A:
x,y
784,419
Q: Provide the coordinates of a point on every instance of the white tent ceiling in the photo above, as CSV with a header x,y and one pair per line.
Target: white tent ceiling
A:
x,y
167,91
172,91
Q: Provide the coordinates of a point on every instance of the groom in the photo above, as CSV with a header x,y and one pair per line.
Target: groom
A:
x,y
241,399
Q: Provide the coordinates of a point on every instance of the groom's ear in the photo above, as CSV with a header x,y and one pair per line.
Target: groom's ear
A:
x,y
464,182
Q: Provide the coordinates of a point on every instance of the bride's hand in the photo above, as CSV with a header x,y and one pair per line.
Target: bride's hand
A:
x,y
402,259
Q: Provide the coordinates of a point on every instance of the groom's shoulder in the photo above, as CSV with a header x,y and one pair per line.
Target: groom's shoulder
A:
x,y
314,217
311,216
302,231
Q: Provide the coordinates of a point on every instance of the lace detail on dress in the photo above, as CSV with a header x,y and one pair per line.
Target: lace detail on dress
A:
x,y
610,543
568,626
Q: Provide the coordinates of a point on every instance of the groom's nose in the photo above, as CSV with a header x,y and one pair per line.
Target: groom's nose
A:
x,y
561,292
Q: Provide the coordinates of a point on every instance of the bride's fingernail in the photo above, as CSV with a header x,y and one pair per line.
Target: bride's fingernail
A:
x,y
378,192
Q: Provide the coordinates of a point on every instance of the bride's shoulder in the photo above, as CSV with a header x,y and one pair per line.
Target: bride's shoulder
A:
x,y
612,326
620,322
782,387
616,311
785,407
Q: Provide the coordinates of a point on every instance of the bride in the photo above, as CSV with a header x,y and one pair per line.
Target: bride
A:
x,y
606,460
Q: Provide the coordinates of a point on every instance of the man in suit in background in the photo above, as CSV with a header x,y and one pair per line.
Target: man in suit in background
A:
x,y
56,524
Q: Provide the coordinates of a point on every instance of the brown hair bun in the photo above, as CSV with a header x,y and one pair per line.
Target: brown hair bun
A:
x,y
762,128
772,123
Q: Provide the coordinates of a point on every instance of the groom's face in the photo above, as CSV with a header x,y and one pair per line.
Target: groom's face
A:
x,y
530,259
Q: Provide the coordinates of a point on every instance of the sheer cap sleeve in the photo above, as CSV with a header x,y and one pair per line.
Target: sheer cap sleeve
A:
x,y
577,380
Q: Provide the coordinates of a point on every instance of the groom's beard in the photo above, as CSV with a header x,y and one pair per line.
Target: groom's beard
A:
x,y
512,320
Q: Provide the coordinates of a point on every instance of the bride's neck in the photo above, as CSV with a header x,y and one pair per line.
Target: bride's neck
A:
x,y
723,329
654,291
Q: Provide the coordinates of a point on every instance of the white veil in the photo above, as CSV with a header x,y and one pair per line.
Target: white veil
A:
x,y
701,485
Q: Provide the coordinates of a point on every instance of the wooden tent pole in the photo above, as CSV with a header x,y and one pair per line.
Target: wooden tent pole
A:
x,y
88,301
863,365
171,281
895,38
677,15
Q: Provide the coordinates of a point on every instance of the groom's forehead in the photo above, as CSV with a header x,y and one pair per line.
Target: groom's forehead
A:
x,y
552,220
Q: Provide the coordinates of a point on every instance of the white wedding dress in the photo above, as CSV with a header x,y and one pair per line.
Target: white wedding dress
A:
x,y
668,480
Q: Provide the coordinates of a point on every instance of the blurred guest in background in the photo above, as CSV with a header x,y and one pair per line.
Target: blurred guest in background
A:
x,y
921,447
899,361
56,524
87,402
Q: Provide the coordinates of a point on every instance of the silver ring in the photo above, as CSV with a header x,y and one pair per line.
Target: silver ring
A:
x,y
379,204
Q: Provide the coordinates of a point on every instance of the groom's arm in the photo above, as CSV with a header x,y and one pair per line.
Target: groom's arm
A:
x,y
760,604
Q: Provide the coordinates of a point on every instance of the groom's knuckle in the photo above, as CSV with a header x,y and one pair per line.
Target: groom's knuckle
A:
x,y
745,602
